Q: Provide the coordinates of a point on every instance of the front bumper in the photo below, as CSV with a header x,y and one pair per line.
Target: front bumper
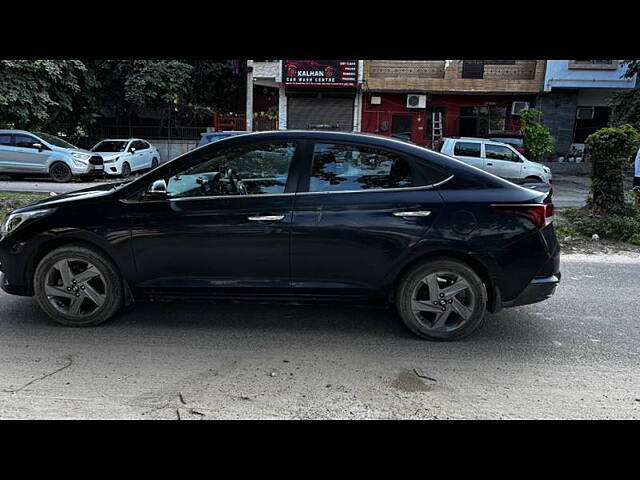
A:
x,y
538,290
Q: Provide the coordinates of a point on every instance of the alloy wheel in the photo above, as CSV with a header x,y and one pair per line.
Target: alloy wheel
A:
x,y
75,287
443,301
60,172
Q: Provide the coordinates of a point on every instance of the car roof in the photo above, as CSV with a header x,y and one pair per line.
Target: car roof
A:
x,y
16,131
477,139
120,139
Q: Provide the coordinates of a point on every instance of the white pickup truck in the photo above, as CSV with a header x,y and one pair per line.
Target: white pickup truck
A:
x,y
498,158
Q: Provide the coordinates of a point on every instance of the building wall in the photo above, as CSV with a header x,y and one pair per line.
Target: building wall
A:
x,y
558,109
526,76
560,75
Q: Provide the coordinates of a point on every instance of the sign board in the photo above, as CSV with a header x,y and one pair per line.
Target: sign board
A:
x,y
320,73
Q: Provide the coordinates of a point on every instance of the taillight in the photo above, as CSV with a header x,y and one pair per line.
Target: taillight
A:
x,y
540,214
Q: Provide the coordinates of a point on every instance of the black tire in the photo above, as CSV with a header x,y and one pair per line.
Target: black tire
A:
x,y
126,170
533,179
154,163
60,172
110,294
423,323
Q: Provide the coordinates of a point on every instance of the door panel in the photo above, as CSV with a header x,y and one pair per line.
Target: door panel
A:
x,y
469,152
348,229
348,242
210,245
225,227
502,161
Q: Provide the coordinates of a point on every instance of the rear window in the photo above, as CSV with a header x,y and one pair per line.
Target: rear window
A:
x,y
467,149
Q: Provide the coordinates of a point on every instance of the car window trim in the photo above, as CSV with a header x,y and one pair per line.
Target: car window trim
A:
x,y
420,187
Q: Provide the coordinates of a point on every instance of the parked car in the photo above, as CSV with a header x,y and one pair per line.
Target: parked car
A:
x,y
292,215
515,139
497,158
123,156
27,153
211,137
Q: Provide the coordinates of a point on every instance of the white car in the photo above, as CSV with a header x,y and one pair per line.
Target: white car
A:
x,y
123,156
498,158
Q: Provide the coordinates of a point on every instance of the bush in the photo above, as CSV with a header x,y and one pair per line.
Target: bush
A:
x,y
537,137
609,150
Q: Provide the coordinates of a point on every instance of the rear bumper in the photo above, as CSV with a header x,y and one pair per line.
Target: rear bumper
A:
x,y
538,290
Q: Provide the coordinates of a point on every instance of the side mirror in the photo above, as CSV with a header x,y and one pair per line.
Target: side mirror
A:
x,y
38,146
132,150
157,190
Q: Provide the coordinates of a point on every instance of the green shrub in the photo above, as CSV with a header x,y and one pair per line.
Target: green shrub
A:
x,y
609,150
625,227
537,137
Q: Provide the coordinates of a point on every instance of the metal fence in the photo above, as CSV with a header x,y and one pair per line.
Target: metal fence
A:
x,y
151,132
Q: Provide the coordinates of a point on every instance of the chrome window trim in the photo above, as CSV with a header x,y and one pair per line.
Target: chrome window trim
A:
x,y
398,189
254,195
231,196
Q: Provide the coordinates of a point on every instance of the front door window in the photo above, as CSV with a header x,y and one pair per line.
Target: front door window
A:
x,y
244,170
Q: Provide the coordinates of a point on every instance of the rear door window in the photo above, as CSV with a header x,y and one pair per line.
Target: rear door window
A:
x,y
467,149
339,167
5,139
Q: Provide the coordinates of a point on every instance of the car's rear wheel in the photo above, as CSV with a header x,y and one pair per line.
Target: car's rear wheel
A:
x,y
78,286
442,299
60,172
126,170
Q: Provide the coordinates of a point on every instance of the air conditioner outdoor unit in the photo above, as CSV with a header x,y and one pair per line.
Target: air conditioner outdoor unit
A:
x,y
585,113
517,107
416,101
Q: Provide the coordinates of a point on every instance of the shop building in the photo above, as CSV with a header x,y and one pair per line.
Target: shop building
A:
x,y
575,101
311,94
423,101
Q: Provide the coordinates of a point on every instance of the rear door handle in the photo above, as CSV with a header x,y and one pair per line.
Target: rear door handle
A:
x,y
266,218
489,164
416,213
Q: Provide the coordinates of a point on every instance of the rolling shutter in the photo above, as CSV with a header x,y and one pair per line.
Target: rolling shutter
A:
x,y
326,113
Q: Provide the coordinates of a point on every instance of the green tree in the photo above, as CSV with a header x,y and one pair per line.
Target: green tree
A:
x,y
537,137
39,93
625,104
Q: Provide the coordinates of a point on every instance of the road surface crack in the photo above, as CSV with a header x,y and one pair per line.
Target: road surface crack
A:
x,y
64,367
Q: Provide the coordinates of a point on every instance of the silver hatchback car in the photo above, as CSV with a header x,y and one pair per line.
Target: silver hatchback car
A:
x,y
23,152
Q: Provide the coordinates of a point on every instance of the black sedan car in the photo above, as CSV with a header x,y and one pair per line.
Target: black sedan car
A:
x,y
292,216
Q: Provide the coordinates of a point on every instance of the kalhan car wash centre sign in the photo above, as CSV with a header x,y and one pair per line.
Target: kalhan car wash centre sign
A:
x,y
320,73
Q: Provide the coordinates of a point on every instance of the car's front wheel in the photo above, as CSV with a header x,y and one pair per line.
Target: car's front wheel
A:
x,y
126,170
60,172
78,286
442,299
154,163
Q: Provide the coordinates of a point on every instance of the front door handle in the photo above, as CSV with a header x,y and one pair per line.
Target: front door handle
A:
x,y
416,213
266,218
489,164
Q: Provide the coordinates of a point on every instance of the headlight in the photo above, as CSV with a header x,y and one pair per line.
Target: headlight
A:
x,y
111,160
81,156
15,220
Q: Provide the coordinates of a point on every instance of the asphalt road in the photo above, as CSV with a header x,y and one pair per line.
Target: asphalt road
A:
x,y
576,355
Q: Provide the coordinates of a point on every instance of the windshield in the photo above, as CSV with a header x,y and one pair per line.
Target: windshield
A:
x,y
110,146
58,142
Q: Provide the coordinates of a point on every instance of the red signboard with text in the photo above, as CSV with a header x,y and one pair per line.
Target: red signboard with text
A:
x,y
320,73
